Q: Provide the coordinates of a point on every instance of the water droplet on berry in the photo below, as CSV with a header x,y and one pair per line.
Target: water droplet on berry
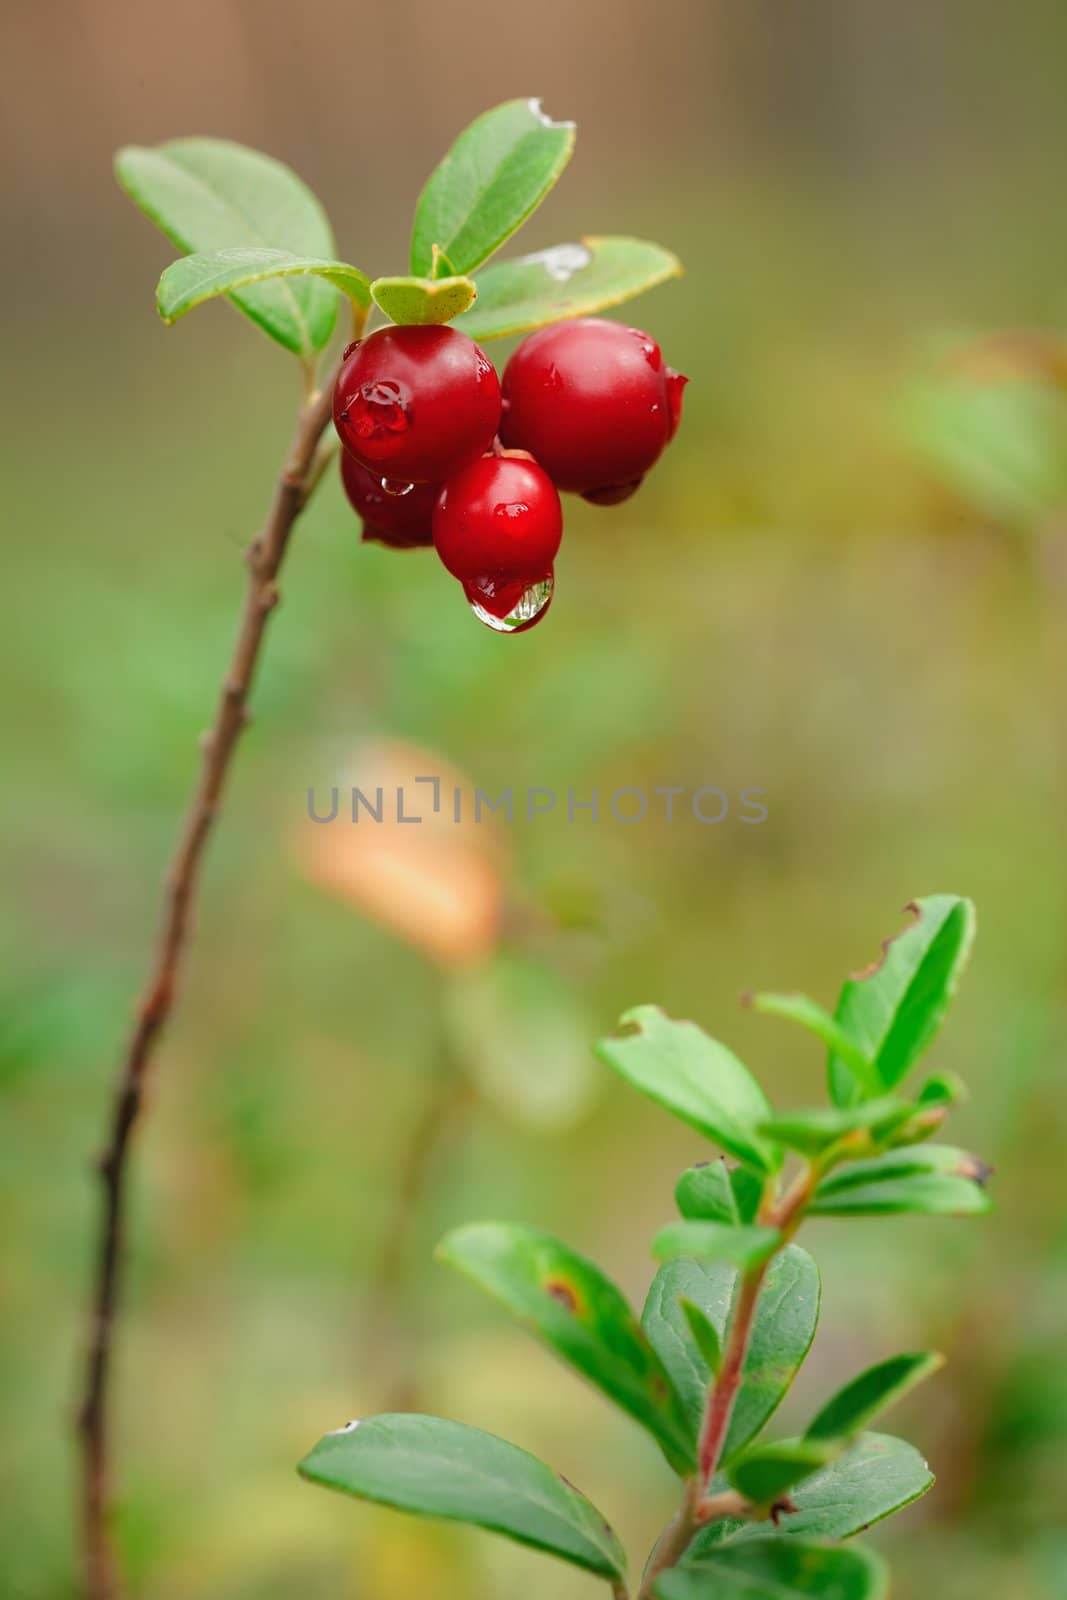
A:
x,y
564,260
509,606
676,382
396,486
380,407
348,349
510,510
649,348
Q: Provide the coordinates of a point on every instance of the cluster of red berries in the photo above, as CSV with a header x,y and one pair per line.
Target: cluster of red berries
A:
x,y
438,451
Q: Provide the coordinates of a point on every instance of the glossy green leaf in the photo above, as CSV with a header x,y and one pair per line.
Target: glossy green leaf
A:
x,y
800,1008
783,1328
877,1476
705,1335
423,300
695,1077
704,1193
767,1568
815,1131
191,280
739,1245
497,172
574,1308
568,280
894,1009
871,1393
447,1469
935,1179
209,194
765,1472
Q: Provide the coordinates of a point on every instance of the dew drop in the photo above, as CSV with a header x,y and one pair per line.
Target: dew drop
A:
x,y
349,1427
543,118
379,408
396,487
505,606
564,260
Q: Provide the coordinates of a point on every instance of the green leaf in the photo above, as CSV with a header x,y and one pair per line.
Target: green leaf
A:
x,y
209,194
682,1069
894,1009
193,279
423,300
704,1193
569,280
876,1477
782,1331
574,1308
871,1393
498,171
446,1469
815,1131
765,1472
739,1245
936,1179
809,1014
768,1568
705,1335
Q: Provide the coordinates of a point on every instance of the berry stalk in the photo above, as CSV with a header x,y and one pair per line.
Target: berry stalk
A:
x,y
298,478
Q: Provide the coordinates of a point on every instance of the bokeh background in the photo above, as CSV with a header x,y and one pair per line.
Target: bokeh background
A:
x,y
796,601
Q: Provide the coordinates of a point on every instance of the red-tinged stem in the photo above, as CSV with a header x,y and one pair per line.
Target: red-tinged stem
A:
x,y
300,473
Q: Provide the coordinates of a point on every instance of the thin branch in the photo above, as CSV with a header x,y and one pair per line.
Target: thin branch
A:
x,y
264,560
696,1508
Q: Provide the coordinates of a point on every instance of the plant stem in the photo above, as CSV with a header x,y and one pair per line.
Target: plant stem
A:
x,y
264,559
696,1508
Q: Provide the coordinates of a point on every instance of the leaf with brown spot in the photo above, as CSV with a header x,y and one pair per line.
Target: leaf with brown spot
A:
x,y
569,1304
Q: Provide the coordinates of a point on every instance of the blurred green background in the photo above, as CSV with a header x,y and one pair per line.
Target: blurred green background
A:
x,y
791,603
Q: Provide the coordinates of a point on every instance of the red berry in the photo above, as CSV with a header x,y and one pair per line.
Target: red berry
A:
x,y
594,402
499,518
412,404
399,520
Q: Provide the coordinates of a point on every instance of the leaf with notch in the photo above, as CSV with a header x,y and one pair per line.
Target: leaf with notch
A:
x,y
782,1331
447,1469
739,1245
190,281
765,1472
568,280
894,1009
878,1476
574,1308
767,1568
934,1179
694,1077
423,301
871,1393
210,194
496,173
